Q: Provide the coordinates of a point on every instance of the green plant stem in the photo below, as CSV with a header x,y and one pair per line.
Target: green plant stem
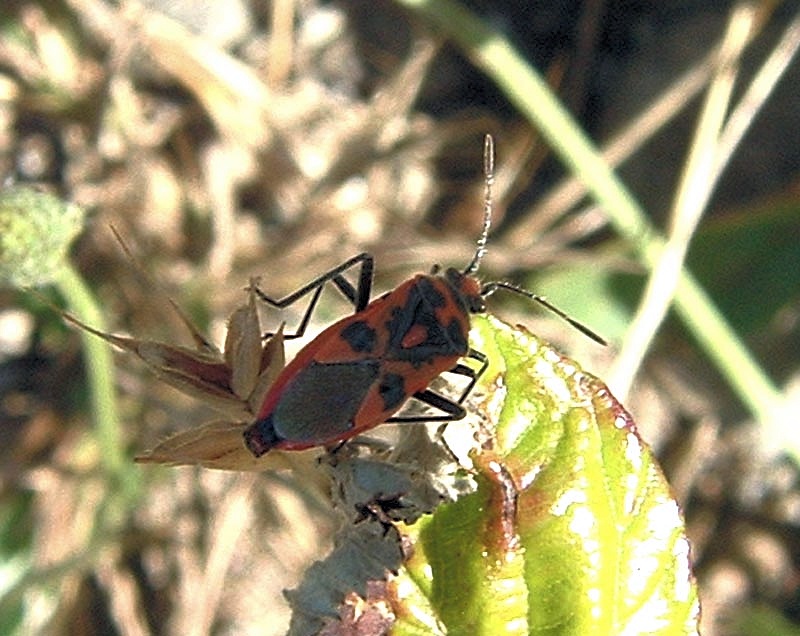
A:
x,y
100,374
102,537
123,477
529,93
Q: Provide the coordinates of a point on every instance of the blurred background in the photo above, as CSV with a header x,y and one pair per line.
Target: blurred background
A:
x,y
227,139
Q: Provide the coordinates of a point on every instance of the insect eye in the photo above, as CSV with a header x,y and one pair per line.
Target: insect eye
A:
x,y
468,288
475,304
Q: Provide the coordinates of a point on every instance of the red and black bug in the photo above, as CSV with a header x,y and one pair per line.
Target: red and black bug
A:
x,y
360,371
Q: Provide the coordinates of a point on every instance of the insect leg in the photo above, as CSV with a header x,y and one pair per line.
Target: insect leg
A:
x,y
463,369
451,410
359,296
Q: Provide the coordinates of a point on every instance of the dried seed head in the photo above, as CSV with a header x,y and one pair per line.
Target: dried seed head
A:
x,y
36,230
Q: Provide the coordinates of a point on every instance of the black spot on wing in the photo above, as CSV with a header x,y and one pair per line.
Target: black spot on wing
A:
x,y
432,296
420,311
321,402
456,335
392,390
360,336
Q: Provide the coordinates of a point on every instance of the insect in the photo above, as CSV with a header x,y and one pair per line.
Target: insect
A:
x,y
361,370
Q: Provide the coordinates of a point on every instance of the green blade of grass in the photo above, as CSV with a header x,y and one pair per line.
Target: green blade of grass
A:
x,y
99,369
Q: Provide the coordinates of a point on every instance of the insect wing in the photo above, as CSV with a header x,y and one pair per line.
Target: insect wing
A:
x,y
315,399
320,405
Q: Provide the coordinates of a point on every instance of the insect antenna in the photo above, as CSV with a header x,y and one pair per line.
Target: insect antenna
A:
x,y
488,172
489,288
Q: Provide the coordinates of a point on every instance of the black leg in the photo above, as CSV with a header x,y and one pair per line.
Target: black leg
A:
x,y
462,369
451,410
358,296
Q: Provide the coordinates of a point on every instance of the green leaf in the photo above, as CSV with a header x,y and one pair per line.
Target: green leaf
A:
x,y
572,529
750,263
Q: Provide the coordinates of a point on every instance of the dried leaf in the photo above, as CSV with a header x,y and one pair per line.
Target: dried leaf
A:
x,y
242,339
200,374
219,445
233,382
